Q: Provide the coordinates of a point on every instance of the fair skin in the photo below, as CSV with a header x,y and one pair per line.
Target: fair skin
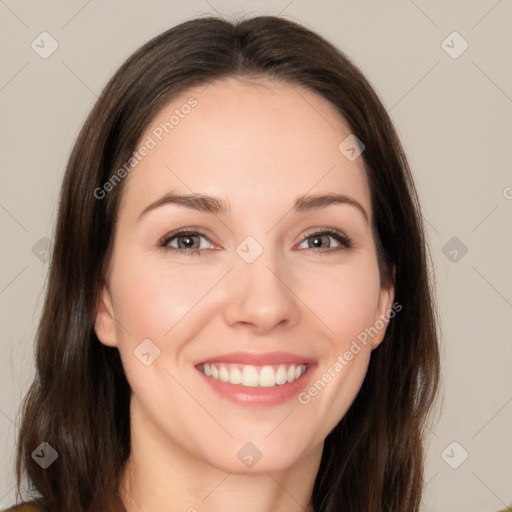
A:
x,y
258,146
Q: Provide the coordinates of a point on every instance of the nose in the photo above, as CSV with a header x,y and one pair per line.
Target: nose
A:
x,y
260,295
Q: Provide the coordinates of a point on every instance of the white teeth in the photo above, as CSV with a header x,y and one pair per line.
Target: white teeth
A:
x,y
281,375
252,376
223,374
235,375
267,377
249,376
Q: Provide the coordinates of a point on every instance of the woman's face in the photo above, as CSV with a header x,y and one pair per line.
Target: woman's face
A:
x,y
273,284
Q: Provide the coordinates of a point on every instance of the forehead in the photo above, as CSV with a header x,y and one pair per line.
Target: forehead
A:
x,y
252,142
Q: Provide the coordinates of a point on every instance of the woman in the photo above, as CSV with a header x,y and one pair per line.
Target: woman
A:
x,y
239,311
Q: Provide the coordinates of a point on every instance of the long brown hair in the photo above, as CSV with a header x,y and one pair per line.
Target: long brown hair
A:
x,y
79,400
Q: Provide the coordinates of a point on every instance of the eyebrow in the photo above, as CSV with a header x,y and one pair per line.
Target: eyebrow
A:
x,y
216,205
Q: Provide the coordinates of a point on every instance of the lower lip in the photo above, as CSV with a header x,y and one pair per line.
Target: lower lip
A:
x,y
246,395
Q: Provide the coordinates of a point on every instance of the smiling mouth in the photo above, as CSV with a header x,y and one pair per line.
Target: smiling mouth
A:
x,y
254,376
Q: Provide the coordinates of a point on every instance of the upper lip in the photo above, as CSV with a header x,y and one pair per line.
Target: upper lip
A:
x,y
262,359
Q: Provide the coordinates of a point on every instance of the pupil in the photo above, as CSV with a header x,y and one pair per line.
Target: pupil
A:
x,y
317,241
188,241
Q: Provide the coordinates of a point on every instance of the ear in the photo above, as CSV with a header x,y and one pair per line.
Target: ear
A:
x,y
385,310
105,324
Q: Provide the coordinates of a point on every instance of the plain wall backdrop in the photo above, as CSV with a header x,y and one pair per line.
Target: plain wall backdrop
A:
x,y
443,71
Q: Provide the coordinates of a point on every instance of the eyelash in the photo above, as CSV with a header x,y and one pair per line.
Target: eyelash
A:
x,y
345,241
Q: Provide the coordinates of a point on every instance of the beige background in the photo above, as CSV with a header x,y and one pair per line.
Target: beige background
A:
x,y
454,116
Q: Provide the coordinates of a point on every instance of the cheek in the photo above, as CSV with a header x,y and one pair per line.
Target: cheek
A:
x,y
347,305
347,302
155,301
344,298
153,296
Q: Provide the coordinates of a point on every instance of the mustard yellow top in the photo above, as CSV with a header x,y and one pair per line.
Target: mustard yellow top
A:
x,y
22,508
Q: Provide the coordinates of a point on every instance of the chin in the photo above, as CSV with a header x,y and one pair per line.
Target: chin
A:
x,y
257,457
